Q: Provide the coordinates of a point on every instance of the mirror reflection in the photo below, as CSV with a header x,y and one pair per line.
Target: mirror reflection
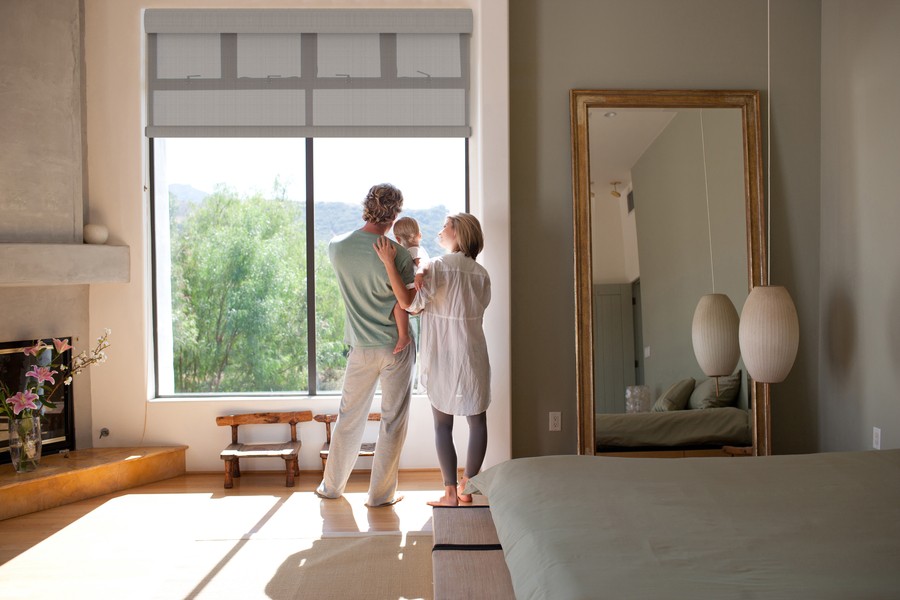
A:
x,y
667,193
672,235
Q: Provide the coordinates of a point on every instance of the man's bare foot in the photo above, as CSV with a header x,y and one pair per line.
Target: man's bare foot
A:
x,y
449,498
402,343
386,504
462,488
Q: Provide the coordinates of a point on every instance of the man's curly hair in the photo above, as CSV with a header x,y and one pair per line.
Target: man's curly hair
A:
x,y
382,204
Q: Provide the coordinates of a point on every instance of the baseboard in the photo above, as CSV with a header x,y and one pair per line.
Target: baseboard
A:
x,y
305,471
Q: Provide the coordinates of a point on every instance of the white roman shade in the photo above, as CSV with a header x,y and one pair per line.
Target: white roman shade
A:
x,y
308,72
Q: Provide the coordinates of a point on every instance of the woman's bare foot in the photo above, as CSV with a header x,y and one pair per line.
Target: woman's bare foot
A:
x,y
402,342
462,488
449,498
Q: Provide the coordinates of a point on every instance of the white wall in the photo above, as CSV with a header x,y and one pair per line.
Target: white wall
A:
x,y
608,258
118,180
860,276
674,227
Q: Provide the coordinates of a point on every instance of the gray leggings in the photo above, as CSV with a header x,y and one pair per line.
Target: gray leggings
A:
x,y
443,439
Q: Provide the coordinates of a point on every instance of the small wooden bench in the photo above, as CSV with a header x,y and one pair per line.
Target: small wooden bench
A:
x,y
366,449
288,451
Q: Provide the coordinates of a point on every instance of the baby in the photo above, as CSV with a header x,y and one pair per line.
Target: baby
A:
x,y
406,230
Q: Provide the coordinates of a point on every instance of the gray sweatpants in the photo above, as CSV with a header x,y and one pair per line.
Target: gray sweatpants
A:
x,y
365,366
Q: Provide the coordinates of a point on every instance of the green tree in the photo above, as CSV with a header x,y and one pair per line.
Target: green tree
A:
x,y
239,296
331,352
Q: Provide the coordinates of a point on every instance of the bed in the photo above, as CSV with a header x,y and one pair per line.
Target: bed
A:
x,y
710,427
818,526
711,416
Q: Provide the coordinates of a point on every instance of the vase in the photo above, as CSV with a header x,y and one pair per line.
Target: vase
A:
x,y
637,399
95,234
25,443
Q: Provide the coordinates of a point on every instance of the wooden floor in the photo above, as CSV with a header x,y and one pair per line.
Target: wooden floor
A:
x,y
310,515
188,525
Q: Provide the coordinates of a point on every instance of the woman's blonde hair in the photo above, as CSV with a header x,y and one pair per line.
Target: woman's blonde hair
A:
x,y
469,238
405,230
382,204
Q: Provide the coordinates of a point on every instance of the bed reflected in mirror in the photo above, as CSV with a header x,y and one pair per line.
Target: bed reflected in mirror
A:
x,y
667,199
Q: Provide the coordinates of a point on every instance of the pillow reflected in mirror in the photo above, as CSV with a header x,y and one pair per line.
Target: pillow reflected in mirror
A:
x,y
704,395
676,397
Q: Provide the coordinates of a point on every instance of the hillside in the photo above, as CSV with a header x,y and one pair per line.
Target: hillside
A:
x,y
332,218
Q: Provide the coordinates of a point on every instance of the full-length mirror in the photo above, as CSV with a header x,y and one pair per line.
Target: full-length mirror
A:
x,y
668,208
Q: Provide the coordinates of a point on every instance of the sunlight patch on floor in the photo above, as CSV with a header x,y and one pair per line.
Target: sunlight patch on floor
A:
x,y
149,542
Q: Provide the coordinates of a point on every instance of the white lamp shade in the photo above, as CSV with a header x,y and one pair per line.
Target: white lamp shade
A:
x,y
769,333
714,332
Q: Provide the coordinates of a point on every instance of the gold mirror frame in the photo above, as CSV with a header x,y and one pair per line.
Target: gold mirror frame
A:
x,y
581,101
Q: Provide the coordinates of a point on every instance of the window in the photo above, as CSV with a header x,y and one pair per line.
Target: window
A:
x,y
246,301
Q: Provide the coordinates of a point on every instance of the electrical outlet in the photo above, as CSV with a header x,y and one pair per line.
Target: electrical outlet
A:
x,y
555,421
876,438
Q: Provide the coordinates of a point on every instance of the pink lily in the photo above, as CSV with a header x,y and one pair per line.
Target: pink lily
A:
x,y
23,400
33,350
61,345
42,374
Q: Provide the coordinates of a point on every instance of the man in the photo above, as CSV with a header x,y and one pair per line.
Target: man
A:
x,y
372,336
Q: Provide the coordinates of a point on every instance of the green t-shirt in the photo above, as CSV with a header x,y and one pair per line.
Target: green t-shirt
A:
x,y
368,298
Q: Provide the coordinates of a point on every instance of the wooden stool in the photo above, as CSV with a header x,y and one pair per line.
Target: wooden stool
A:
x,y
288,451
366,449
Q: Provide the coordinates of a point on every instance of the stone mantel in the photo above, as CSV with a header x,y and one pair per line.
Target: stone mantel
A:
x,y
63,264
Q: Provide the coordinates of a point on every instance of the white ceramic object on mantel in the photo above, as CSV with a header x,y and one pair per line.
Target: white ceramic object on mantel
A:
x,y
95,234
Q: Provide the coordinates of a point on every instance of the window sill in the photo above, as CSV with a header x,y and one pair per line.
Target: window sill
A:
x,y
63,264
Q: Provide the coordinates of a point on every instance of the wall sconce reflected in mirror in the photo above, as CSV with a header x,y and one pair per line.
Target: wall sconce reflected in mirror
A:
x,y
615,193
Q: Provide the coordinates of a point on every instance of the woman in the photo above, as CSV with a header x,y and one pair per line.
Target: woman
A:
x,y
452,295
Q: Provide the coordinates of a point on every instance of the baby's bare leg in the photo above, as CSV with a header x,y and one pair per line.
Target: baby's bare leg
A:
x,y
401,317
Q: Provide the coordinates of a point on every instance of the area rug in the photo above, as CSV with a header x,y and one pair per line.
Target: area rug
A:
x,y
358,567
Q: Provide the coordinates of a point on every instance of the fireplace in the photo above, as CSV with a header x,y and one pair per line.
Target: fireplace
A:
x,y
58,424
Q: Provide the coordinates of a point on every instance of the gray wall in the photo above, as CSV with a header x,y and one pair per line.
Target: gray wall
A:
x,y
41,168
673,234
860,287
40,123
559,45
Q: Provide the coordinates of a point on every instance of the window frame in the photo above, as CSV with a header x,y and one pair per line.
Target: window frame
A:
x,y
312,374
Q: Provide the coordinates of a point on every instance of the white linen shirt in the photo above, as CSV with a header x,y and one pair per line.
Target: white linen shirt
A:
x,y
453,358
